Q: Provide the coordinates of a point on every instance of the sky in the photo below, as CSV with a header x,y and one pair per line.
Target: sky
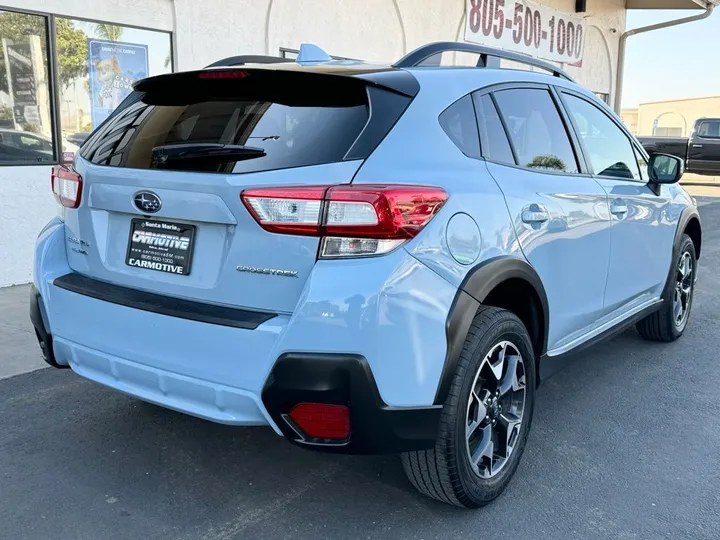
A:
x,y
672,63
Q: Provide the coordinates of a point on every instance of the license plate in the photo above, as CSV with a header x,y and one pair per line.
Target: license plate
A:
x,y
163,246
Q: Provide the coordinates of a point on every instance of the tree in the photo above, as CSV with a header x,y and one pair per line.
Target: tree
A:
x,y
71,44
109,32
72,52
547,162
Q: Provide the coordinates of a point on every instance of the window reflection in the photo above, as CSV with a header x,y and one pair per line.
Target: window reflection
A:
x,y
608,148
536,130
98,63
25,123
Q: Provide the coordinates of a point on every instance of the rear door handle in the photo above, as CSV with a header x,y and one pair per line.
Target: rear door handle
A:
x,y
534,213
618,207
697,145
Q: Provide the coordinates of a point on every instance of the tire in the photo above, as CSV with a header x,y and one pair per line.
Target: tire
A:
x,y
445,472
663,325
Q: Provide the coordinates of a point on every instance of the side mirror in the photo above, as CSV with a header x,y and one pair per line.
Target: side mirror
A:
x,y
665,169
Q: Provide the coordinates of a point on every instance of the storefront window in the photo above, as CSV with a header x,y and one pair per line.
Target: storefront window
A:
x,y
25,120
97,66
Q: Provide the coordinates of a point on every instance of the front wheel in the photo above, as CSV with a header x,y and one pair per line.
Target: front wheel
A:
x,y
486,418
670,321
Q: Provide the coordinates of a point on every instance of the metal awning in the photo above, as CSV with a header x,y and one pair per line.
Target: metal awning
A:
x,y
669,4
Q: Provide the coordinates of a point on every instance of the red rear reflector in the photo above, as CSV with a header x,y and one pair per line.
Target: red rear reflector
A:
x,y
322,420
66,186
223,75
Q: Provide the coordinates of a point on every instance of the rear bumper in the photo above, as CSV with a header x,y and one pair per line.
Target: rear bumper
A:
x,y
346,379
373,341
190,395
38,318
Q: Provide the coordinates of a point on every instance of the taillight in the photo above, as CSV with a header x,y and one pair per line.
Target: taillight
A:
x,y
286,210
353,220
66,185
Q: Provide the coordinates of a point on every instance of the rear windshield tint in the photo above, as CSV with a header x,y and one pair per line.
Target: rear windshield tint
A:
x,y
271,121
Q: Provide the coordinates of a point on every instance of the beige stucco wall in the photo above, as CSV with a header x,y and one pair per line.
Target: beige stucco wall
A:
x,y
206,30
680,113
630,118
375,30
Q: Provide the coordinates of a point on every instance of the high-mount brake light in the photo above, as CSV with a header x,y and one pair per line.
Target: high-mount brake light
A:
x,y
66,186
225,74
353,220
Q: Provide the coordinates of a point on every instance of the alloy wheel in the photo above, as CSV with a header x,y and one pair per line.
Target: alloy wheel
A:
x,y
682,296
495,409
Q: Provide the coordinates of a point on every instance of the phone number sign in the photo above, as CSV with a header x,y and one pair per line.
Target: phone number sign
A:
x,y
531,29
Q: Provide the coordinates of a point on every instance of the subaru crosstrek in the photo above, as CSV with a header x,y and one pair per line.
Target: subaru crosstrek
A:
x,y
367,259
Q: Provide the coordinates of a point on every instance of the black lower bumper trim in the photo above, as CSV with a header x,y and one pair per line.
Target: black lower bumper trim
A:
x,y
164,305
39,321
375,428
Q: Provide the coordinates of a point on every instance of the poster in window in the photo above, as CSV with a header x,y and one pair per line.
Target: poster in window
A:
x,y
114,67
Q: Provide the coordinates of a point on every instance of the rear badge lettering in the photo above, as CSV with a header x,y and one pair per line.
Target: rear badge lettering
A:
x,y
267,271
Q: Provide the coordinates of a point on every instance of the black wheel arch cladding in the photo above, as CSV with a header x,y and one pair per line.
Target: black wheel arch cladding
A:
x,y
516,275
689,223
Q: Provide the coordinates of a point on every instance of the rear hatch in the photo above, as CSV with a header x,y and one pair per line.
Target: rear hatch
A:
x,y
162,178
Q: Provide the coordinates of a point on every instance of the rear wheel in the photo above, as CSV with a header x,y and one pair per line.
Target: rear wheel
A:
x,y
486,417
670,321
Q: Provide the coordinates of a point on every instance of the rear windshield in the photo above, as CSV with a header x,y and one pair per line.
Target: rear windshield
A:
x,y
259,122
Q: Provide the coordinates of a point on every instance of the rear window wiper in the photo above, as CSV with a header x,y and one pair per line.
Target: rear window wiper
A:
x,y
205,152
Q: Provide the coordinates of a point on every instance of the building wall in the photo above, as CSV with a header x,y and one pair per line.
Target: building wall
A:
x,y
374,30
630,118
680,113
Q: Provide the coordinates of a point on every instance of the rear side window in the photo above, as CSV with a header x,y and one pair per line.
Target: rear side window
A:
x,y
459,123
709,130
255,123
536,130
495,144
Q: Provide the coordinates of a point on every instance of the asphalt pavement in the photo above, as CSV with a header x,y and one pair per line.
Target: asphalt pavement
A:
x,y
625,444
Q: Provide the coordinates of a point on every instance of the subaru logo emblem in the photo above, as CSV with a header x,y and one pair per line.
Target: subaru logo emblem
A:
x,y
147,202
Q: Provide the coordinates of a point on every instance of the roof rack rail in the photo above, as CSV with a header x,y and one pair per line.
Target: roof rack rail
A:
x,y
421,54
248,59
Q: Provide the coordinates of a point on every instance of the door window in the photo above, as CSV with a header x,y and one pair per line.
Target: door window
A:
x,y
495,144
609,150
642,164
709,130
536,130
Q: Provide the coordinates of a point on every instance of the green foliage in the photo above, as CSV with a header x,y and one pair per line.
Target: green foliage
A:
x,y
547,162
31,128
109,32
16,27
72,52
71,44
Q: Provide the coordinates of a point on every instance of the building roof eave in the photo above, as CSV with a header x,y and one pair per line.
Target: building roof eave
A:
x,y
670,4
